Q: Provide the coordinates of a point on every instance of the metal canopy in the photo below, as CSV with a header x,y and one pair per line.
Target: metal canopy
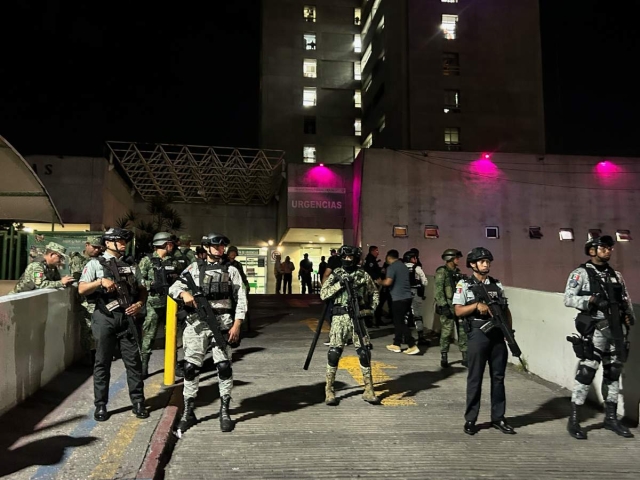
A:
x,y
23,197
188,173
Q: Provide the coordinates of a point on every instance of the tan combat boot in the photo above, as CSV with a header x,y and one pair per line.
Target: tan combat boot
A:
x,y
369,395
330,396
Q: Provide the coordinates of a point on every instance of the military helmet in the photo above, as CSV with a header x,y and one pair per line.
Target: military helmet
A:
x,y
451,253
349,251
602,241
116,233
415,250
406,258
161,238
233,248
214,239
478,253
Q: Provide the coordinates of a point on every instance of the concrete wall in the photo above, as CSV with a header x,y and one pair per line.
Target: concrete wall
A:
x,y
542,323
83,189
39,338
282,80
462,195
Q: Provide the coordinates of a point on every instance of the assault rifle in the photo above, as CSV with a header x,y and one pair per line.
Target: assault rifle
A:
x,y
205,311
314,342
498,320
353,307
124,299
614,298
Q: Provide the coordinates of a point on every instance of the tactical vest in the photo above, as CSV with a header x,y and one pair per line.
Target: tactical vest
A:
x,y
164,274
110,301
215,281
596,283
493,290
414,281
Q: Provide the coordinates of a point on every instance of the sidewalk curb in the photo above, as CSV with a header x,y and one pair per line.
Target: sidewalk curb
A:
x,y
162,440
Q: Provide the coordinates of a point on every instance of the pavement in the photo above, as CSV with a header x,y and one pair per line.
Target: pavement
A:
x,y
284,430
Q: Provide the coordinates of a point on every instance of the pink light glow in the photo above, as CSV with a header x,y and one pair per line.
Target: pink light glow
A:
x,y
607,168
484,167
486,156
322,164
321,176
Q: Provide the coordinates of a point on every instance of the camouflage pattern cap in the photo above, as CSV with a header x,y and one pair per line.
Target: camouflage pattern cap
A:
x,y
185,238
56,247
95,240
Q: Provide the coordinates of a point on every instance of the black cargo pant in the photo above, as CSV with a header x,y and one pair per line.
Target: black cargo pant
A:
x,y
482,348
109,332
402,333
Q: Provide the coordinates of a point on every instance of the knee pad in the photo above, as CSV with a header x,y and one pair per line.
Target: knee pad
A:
x,y
612,371
224,370
585,374
191,371
333,357
363,354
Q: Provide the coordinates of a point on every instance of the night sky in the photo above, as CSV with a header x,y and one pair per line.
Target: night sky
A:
x,y
77,73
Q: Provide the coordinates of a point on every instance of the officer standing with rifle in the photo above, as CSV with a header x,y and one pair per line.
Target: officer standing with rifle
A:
x,y
112,286
158,271
215,302
418,282
480,302
447,277
606,314
349,287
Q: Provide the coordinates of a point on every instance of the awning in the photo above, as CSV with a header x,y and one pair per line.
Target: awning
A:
x,y
23,197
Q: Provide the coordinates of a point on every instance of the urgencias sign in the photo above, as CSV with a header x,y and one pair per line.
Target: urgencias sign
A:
x,y
314,201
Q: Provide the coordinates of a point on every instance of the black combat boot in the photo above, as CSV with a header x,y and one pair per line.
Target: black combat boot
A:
x,y
444,359
465,362
573,427
188,418
612,423
145,364
226,424
179,369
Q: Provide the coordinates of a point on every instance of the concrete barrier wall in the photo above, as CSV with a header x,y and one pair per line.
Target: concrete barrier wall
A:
x,y
39,338
542,323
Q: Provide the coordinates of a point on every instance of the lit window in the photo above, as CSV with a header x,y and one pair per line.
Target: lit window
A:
x,y
431,231
450,64
310,67
449,26
366,56
309,97
382,124
309,154
357,99
358,127
368,142
309,12
492,232
357,71
452,138
449,1
357,43
367,25
623,235
310,41
566,234
535,233
401,231
452,101
357,16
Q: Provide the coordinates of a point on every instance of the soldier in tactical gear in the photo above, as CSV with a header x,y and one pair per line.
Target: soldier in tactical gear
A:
x,y
222,285
418,281
158,271
594,288
43,272
185,248
232,253
447,276
342,329
111,285
484,345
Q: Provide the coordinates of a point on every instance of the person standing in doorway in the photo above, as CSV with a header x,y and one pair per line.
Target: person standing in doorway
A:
x,y
322,267
306,269
277,271
287,267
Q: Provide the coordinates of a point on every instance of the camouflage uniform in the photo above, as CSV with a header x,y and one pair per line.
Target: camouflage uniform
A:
x,y
156,301
342,326
444,290
77,263
39,275
189,254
